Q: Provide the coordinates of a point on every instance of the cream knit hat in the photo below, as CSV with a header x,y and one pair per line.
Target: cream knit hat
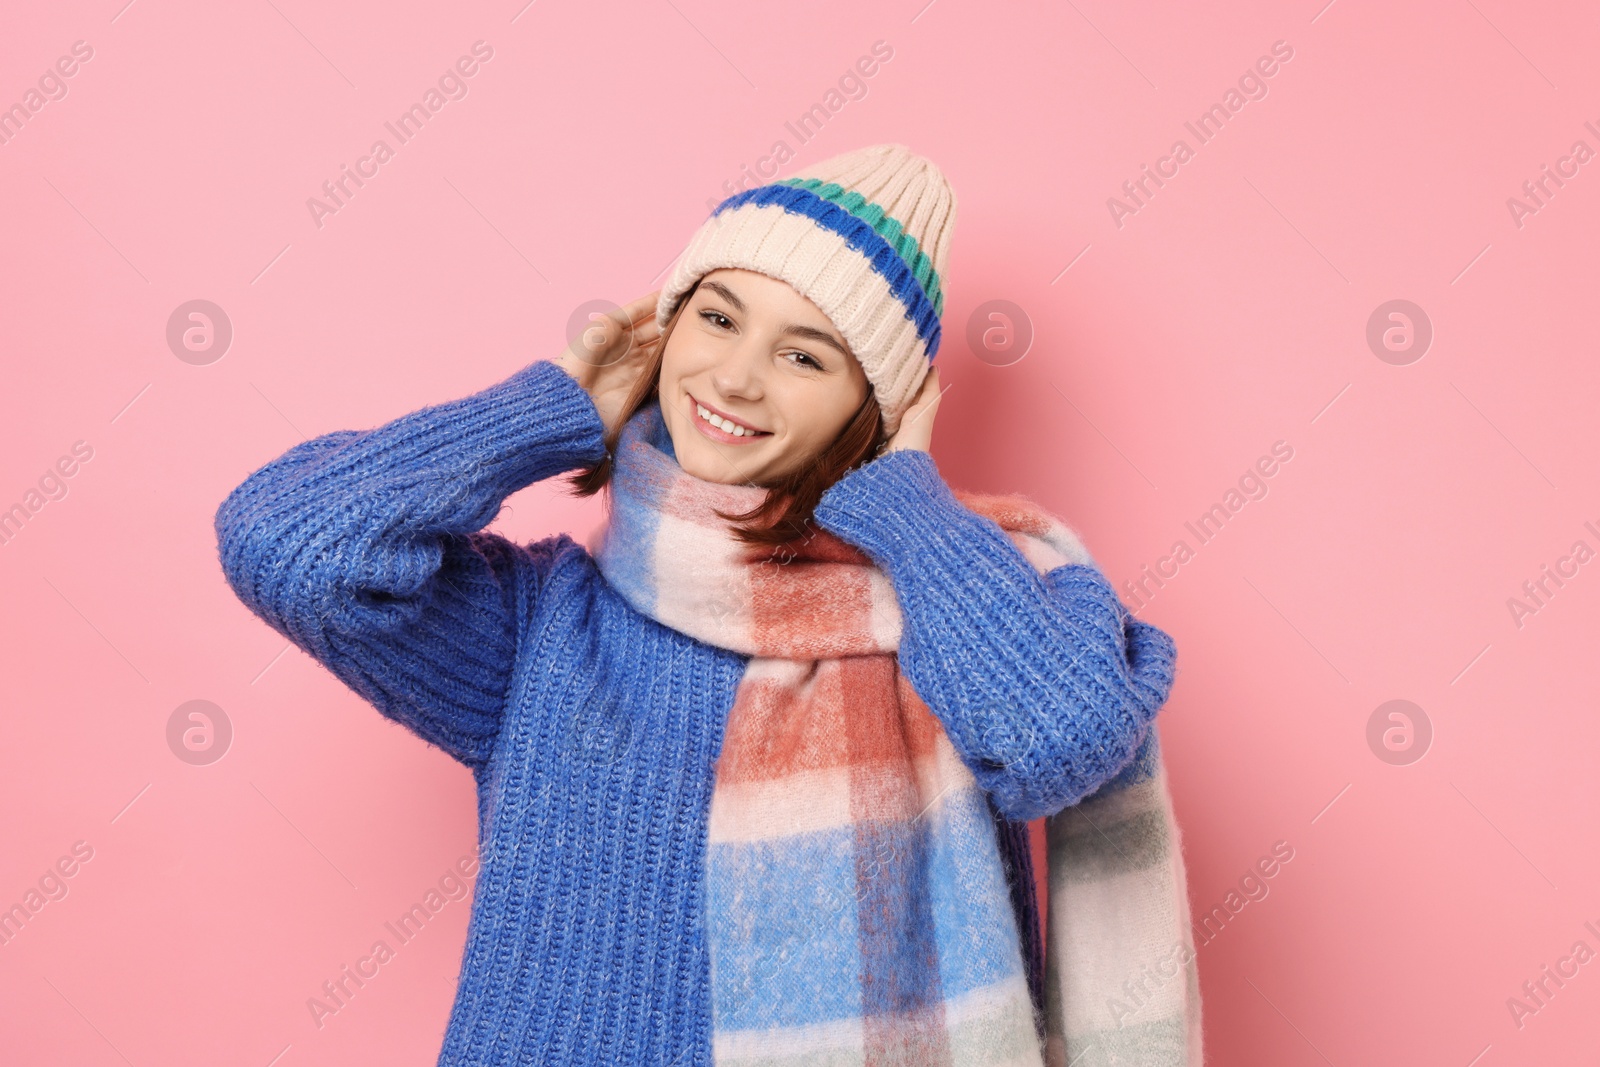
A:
x,y
865,236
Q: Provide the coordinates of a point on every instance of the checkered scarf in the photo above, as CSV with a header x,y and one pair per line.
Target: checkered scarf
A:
x,y
866,904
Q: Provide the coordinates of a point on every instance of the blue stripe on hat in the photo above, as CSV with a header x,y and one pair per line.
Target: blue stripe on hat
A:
x,y
859,235
888,228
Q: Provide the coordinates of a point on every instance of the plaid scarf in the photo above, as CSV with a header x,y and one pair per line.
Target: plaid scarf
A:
x,y
865,903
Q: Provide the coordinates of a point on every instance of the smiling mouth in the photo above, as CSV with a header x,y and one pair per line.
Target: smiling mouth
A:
x,y
720,428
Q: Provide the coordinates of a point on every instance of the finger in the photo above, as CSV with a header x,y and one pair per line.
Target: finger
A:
x,y
644,307
612,322
643,348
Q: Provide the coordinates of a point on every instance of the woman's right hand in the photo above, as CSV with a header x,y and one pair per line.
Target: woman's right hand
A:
x,y
608,357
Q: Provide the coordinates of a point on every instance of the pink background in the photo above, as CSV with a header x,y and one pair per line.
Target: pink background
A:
x,y
1228,313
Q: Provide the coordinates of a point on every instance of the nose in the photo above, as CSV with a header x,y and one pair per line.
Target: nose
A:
x,y
742,371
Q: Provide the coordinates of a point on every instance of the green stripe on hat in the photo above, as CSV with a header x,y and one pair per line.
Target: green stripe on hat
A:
x,y
887,227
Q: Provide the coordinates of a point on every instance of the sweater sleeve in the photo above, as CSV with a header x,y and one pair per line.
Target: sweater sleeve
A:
x,y
367,550
1045,683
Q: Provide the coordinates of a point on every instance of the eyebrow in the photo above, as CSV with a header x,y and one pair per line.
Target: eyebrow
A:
x,y
810,332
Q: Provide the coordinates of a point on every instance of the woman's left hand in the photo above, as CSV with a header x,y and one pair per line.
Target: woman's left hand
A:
x,y
916,425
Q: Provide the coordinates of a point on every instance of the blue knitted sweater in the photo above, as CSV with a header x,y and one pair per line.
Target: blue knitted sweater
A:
x,y
587,939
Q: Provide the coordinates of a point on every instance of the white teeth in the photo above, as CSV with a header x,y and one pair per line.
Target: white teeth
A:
x,y
723,424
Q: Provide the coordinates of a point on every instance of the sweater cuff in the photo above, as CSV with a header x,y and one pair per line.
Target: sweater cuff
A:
x,y
894,506
546,395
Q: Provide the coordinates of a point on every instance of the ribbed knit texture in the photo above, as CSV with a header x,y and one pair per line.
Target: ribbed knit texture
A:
x,y
592,730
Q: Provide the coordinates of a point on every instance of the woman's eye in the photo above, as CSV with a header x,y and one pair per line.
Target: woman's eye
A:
x,y
718,319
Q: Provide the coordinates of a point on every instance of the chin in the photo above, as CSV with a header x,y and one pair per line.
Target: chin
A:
x,y
699,458
713,469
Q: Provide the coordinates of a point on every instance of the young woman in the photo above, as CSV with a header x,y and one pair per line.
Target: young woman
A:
x,y
755,768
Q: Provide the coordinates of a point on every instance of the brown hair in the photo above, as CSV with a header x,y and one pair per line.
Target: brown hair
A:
x,y
786,513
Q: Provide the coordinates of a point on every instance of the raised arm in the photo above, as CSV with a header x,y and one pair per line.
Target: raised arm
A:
x,y
1045,684
367,550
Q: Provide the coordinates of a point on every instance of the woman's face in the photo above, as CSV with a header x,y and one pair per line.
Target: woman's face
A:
x,y
749,348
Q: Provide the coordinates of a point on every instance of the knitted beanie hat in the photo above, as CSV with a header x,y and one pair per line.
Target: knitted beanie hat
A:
x,y
865,236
